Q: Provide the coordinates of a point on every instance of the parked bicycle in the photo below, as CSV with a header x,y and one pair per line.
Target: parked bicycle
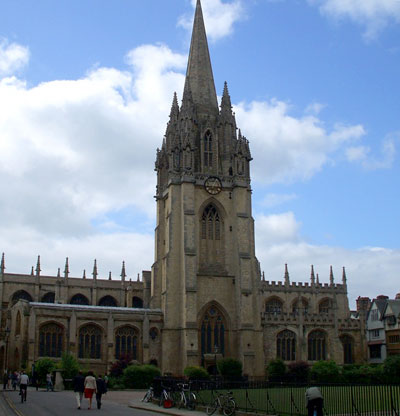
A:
x,y
223,402
185,398
166,399
149,396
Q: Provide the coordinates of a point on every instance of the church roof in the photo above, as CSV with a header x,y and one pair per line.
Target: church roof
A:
x,y
199,76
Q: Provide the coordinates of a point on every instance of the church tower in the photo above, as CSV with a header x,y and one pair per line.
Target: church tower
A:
x,y
205,277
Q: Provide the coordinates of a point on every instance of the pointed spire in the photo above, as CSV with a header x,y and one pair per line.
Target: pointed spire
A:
x,y
66,269
109,276
138,277
287,280
226,105
94,274
32,271
38,269
123,272
174,114
344,277
3,264
263,276
84,274
317,279
199,76
58,272
312,276
331,279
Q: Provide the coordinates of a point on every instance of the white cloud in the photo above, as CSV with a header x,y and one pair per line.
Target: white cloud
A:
x,y
375,15
279,241
273,200
292,148
12,57
219,17
362,155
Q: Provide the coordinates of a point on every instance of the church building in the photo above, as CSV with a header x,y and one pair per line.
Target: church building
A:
x,y
205,297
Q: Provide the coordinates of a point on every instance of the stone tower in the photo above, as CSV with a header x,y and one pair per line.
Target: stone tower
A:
x,y
206,277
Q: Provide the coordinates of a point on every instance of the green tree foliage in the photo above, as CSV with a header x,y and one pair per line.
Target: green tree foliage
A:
x,y
276,370
325,372
229,367
196,373
139,376
44,366
69,364
298,371
119,366
391,369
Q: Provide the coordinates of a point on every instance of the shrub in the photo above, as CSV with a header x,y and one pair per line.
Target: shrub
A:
x,y
140,376
299,371
70,365
325,372
276,370
229,367
196,373
44,366
119,366
391,369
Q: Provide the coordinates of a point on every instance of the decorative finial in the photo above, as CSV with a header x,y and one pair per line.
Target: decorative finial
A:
x,y
95,270
138,278
287,280
32,271
317,279
312,275
123,272
263,276
344,277
58,272
66,270
109,276
84,274
38,269
331,279
2,265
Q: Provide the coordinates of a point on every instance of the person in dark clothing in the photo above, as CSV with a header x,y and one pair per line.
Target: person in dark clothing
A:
x,y
5,381
79,387
314,401
101,389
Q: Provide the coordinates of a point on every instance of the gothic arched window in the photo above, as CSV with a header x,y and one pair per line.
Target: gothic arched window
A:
x,y
317,346
49,297
126,342
79,299
325,306
90,341
137,302
21,294
51,340
210,224
212,332
286,345
208,153
274,306
348,346
107,301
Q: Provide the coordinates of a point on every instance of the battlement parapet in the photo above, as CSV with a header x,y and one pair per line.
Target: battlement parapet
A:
x,y
307,318
301,286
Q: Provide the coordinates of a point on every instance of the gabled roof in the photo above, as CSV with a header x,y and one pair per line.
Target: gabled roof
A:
x,y
394,306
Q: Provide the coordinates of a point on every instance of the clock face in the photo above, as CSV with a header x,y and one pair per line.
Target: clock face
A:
x,y
213,185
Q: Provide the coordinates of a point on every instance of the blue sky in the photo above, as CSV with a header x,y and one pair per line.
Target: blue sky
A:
x,y
85,91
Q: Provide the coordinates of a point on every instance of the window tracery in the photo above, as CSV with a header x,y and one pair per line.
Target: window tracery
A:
x,y
90,342
208,153
286,345
317,346
51,340
212,332
126,340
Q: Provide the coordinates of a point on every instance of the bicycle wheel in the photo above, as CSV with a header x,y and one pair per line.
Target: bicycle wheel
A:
x,y
211,408
229,407
191,404
146,397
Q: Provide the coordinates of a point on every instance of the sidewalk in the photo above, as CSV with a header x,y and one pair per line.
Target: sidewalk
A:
x,y
133,399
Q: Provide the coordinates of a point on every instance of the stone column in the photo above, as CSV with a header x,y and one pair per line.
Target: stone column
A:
x,y
73,335
145,337
31,336
110,341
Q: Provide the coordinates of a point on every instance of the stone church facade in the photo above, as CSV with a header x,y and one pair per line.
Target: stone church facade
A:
x,y
205,297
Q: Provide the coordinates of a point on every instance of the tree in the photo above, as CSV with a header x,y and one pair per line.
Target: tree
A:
x,y
229,367
69,364
325,372
119,366
140,376
299,371
276,370
44,366
196,373
391,369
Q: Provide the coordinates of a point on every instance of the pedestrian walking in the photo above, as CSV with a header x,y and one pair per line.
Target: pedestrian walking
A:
x,y
101,389
49,382
23,385
90,387
314,401
79,388
14,380
5,380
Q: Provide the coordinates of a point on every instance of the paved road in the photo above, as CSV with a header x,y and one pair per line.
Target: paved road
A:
x,y
42,403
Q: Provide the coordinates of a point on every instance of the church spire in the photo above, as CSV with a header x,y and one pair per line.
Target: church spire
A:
x,y
199,76
2,266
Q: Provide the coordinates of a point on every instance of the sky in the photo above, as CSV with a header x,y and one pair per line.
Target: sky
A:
x,y
85,93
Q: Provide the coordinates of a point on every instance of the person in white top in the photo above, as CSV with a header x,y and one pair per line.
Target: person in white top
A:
x,y
23,385
90,387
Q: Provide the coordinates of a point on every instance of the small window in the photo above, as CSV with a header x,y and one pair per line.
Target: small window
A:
x,y
273,306
375,333
208,154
